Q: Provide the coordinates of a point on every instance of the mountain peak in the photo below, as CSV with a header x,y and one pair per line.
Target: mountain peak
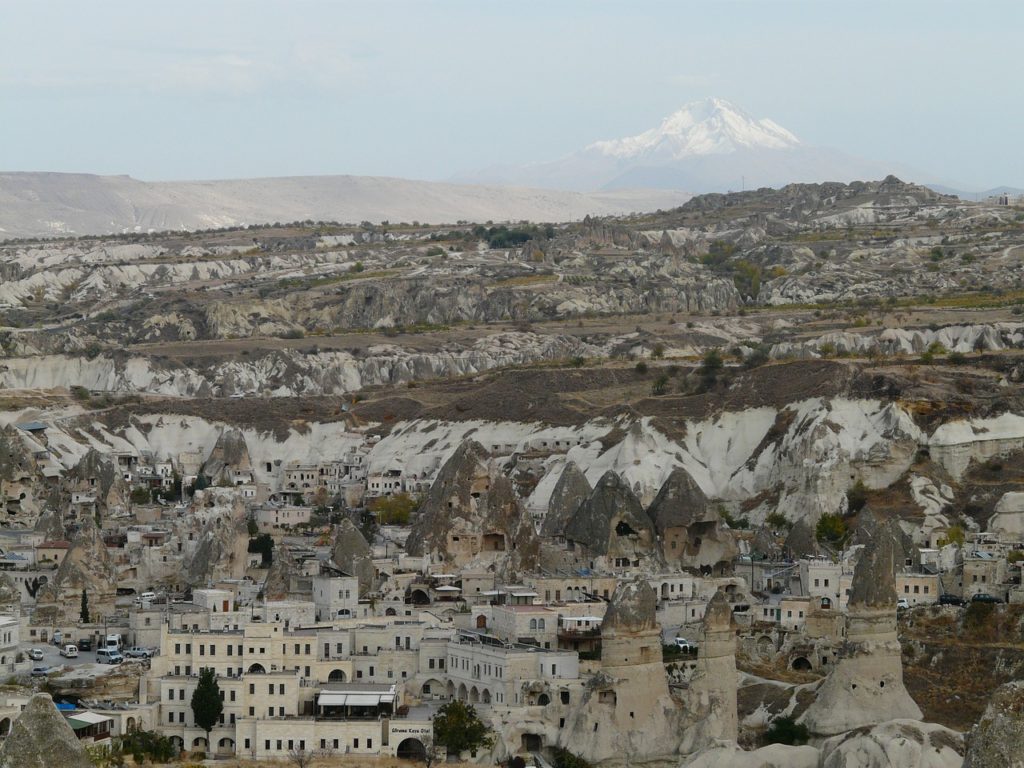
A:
x,y
709,127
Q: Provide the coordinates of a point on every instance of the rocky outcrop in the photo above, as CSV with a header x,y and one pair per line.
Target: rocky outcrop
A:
x,y
230,453
472,514
801,541
690,528
997,741
98,473
772,756
895,744
865,687
10,596
571,490
611,524
50,526
871,527
632,609
463,479
42,738
88,568
351,553
220,536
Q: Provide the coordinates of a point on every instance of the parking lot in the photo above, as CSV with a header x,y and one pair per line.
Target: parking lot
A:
x,y
85,662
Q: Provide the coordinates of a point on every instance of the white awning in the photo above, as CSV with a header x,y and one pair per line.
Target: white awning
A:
x,y
89,718
341,699
448,589
369,699
332,699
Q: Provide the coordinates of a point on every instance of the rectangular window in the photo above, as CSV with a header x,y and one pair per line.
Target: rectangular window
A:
x,y
355,743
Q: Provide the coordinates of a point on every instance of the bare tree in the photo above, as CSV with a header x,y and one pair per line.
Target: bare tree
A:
x,y
302,758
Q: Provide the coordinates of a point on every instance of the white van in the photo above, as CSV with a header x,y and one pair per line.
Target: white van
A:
x,y
109,656
69,651
145,597
113,642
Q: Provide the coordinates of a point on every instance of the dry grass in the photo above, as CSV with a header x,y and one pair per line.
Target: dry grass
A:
x,y
524,280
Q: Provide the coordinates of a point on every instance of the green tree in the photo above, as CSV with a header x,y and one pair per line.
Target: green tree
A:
x,y
83,613
457,728
264,545
830,529
778,521
395,509
141,496
206,702
251,528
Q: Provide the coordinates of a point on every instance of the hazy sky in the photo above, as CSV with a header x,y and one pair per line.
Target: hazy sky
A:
x,y
208,89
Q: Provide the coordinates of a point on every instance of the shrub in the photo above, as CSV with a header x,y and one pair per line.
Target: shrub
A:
x,y
978,615
563,758
785,730
857,497
778,520
641,367
660,384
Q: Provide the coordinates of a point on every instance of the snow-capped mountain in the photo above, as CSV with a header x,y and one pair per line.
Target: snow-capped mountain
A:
x,y
710,127
707,146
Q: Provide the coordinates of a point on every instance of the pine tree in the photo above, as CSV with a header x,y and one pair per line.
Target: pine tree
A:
x,y
84,613
207,705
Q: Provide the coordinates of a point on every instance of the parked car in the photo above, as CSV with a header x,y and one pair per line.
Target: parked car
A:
x,y
902,603
36,654
69,651
985,597
138,652
950,599
109,656
85,644
40,671
685,645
